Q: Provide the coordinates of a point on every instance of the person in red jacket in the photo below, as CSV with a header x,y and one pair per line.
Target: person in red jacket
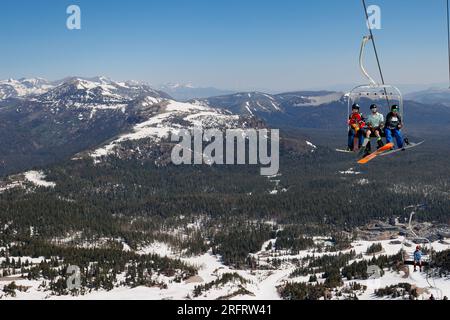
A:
x,y
356,125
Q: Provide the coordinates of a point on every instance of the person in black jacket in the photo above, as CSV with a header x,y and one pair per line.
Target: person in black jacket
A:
x,y
393,127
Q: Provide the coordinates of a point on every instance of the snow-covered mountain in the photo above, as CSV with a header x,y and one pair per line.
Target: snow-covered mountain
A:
x,y
67,117
431,96
100,117
127,89
171,117
33,87
98,94
301,109
23,87
327,109
250,103
263,104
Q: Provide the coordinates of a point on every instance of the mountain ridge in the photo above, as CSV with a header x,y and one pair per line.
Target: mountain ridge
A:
x,y
85,116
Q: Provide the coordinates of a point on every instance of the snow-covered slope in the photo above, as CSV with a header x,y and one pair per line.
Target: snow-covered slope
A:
x,y
27,180
38,179
259,284
173,117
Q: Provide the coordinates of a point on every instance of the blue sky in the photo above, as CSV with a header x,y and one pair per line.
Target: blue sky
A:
x,y
252,44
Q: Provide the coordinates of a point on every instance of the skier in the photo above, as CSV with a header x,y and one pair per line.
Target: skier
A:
x,y
356,124
394,127
375,126
418,259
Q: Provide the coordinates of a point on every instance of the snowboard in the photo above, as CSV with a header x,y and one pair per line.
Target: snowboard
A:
x,y
344,151
409,146
375,154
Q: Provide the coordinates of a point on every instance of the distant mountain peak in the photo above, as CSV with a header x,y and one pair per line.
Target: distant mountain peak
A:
x,y
98,92
23,87
433,95
102,79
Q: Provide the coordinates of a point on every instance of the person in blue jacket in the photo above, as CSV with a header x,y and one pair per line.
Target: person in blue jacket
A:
x,y
418,259
393,127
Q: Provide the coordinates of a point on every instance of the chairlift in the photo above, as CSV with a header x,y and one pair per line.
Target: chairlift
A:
x,y
383,95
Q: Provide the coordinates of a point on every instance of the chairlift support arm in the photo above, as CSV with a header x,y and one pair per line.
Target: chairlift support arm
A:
x,y
361,60
410,224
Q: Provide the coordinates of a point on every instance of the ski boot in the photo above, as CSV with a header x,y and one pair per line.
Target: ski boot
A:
x,y
365,151
407,141
380,144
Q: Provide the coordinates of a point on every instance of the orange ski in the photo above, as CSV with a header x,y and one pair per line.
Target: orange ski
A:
x,y
372,156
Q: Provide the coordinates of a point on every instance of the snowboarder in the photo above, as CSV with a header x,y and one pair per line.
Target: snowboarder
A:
x,y
356,124
418,259
375,122
375,126
393,127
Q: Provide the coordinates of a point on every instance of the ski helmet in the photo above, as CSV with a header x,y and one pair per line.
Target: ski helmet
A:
x,y
374,106
356,106
395,107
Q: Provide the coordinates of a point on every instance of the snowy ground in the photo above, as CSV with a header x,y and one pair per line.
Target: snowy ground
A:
x,y
261,285
350,171
35,178
162,125
38,179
